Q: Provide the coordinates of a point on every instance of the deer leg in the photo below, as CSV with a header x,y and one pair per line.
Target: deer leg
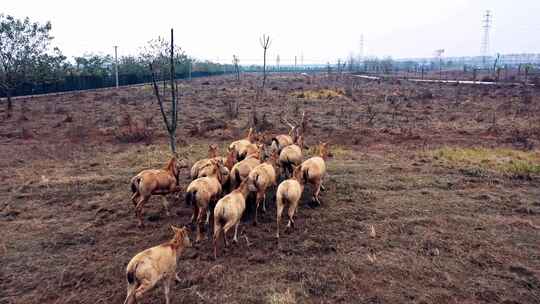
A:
x,y
291,212
139,211
165,204
200,224
257,202
207,222
145,286
279,207
289,170
167,288
134,198
235,239
317,191
216,240
194,216
226,228
264,203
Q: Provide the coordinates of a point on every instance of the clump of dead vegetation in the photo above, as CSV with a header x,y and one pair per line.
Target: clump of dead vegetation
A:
x,y
133,131
319,94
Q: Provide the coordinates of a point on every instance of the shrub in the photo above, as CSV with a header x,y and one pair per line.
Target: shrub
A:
x,y
129,131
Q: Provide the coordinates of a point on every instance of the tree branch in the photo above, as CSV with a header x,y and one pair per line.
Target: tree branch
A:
x,y
156,92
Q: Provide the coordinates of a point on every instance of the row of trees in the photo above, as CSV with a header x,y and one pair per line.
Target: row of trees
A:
x,y
28,59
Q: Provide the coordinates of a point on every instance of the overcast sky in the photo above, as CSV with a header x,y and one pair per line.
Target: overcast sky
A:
x,y
321,30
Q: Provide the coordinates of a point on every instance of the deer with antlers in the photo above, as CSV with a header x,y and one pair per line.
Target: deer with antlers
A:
x,y
283,140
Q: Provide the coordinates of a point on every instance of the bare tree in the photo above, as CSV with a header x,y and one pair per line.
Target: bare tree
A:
x,y
170,125
236,62
255,122
265,44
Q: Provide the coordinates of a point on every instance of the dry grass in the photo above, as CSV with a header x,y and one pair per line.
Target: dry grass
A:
x,y
439,235
318,94
286,297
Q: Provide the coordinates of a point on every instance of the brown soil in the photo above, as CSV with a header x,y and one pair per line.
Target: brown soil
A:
x,y
444,233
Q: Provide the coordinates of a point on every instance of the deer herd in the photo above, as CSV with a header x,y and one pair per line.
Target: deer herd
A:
x,y
219,190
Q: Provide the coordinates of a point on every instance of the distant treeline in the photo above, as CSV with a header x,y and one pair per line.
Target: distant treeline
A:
x,y
29,64
94,71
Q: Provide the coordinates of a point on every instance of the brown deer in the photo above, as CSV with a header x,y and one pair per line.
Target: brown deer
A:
x,y
240,170
289,193
154,181
228,213
155,264
213,153
291,156
283,140
240,146
201,193
261,178
314,170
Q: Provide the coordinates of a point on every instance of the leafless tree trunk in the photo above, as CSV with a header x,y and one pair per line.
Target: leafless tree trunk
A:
x,y
171,125
236,67
265,44
9,105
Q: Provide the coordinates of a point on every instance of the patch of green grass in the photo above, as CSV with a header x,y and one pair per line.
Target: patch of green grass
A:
x,y
510,162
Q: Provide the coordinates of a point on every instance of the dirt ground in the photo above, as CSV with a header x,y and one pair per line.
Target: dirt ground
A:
x,y
447,177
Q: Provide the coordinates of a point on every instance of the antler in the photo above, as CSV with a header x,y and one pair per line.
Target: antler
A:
x,y
284,120
295,128
303,121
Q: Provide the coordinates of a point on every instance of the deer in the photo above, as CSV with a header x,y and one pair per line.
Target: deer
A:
x,y
197,166
289,193
240,146
291,156
154,182
283,140
201,193
314,169
240,170
228,213
261,178
154,265
228,163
